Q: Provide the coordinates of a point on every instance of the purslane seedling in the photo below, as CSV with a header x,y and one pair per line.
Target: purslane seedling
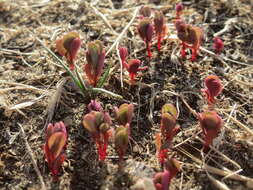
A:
x,y
160,28
169,128
56,141
213,88
218,45
163,179
211,124
179,9
121,139
191,37
95,57
98,124
68,46
146,30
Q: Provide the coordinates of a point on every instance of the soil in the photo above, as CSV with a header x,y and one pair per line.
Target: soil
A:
x,y
36,90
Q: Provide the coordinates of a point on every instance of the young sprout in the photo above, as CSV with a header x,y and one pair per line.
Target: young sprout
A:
x,y
124,114
56,140
160,28
98,124
218,45
94,106
123,52
213,88
133,66
145,29
169,128
68,46
211,124
121,140
145,11
189,35
163,179
179,9
95,57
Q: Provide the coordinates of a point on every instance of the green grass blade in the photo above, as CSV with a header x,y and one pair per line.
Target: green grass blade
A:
x,y
105,77
101,90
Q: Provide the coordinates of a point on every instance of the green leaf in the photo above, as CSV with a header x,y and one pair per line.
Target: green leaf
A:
x,y
105,77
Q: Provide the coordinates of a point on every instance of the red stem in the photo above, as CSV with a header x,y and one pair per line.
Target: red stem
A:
x,y
149,49
159,39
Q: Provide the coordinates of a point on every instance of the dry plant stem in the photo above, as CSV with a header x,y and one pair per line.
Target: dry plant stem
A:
x,y
123,31
239,124
103,18
224,157
216,170
217,183
43,186
121,66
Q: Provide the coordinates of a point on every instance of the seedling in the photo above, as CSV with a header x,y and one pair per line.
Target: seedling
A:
x,y
145,11
179,9
123,52
213,88
124,114
133,66
68,46
98,124
163,179
121,140
160,28
189,35
145,29
218,45
95,57
211,124
56,140
94,106
169,128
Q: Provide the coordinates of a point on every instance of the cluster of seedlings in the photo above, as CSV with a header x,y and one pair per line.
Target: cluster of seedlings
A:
x,y
98,122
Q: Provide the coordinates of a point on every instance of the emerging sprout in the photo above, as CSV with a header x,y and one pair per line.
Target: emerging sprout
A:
x,y
56,140
163,179
94,106
95,57
145,11
124,114
121,139
123,52
218,45
189,35
179,9
98,124
169,128
213,88
211,124
133,66
160,28
68,46
145,29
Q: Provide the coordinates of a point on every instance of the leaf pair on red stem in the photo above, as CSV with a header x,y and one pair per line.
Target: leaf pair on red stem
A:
x,y
189,34
95,57
56,140
211,124
133,66
98,124
163,179
213,88
160,28
169,128
124,115
68,46
146,30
